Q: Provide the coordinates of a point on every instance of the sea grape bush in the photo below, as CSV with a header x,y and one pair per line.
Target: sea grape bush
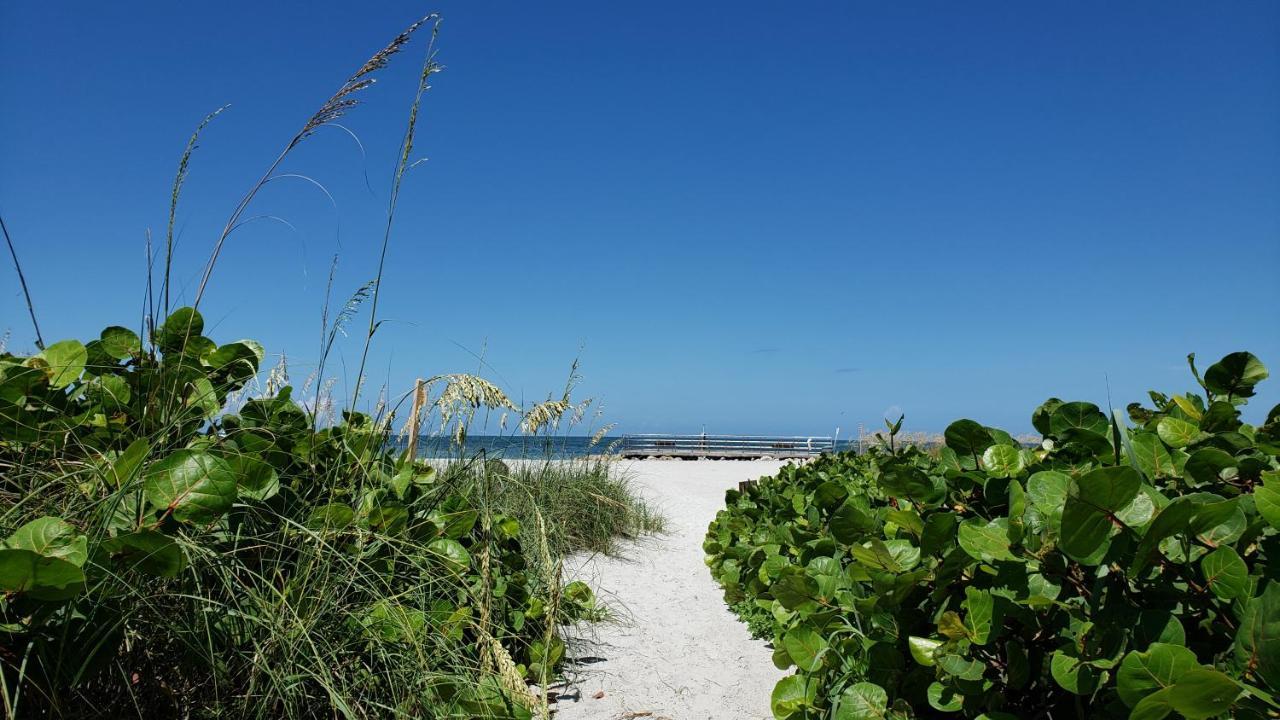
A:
x,y
1119,569
143,532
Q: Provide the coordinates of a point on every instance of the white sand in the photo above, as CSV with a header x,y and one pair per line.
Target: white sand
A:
x,y
675,650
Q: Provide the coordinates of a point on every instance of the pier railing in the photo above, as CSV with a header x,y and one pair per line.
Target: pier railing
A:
x,y
724,446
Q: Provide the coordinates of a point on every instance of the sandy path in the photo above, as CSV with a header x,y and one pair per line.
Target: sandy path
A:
x,y
675,650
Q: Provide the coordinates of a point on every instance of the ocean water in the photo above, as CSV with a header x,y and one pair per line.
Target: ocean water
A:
x,y
519,446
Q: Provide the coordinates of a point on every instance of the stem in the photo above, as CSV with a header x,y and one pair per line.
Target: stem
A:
x,y
22,279
429,67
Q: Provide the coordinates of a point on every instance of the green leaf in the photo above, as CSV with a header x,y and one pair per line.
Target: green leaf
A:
x,y
1087,518
451,553
862,701
1083,415
1084,530
1071,673
197,486
791,695
51,537
1109,488
986,541
1155,706
850,522
1257,642
805,646
1266,498
922,649
908,520
1173,519
1153,459
961,667
1203,693
1002,461
26,571
980,610
944,698
66,361
178,329
1159,667
121,343
1206,464
255,479
149,552
1226,573
1235,375
1048,491
793,588
967,437
1176,432
334,516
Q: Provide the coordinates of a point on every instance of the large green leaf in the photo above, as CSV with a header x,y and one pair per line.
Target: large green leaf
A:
x,y
1173,519
1109,488
986,541
1235,375
1226,573
850,522
148,552
66,361
1083,415
1002,461
1151,455
792,695
121,343
1084,530
51,537
1206,464
1087,519
1203,693
451,553
195,485
27,571
862,701
923,649
178,329
255,479
1048,491
967,437
805,646
1266,498
1176,432
1257,642
979,616
1156,668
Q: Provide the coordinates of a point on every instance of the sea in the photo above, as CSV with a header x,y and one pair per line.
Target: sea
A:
x,y
522,446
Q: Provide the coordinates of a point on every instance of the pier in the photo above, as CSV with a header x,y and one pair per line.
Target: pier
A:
x,y
716,447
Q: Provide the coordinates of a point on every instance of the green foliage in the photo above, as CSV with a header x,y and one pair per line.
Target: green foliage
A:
x,y
162,555
1120,569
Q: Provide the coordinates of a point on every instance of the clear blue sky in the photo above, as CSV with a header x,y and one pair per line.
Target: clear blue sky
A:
x,y
757,217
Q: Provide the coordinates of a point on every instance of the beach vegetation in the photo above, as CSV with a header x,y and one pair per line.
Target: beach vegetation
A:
x,y
1119,569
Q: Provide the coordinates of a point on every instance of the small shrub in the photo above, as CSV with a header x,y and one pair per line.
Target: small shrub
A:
x,y
1121,569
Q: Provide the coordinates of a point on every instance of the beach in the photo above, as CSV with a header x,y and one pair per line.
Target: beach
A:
x,y
673,649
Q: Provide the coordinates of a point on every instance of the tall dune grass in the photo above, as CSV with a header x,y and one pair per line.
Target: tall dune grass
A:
x,y
181,541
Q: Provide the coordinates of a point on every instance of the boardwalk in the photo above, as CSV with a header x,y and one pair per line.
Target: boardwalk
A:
x,y
741,447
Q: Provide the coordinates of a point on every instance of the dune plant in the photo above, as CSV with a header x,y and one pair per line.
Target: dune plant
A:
x,y
1119,569
160,556
175,545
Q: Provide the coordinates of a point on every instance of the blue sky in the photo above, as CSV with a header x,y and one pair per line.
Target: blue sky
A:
x,y
753,217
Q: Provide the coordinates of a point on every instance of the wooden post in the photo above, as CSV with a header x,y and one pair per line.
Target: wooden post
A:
x,y
419,399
